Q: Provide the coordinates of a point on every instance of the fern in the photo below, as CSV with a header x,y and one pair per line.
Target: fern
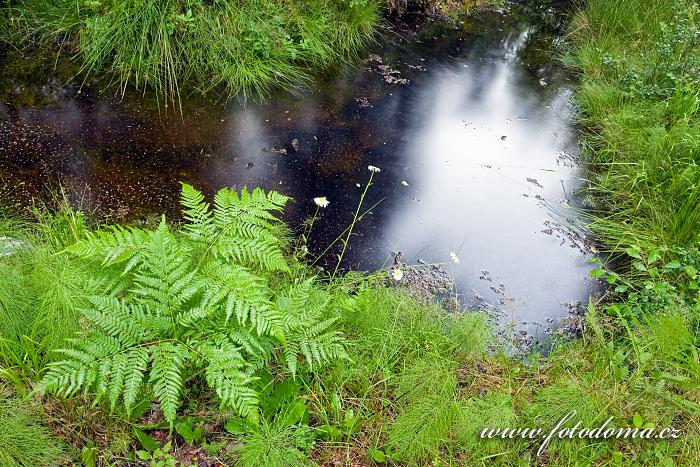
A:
x,y
166,376
197,299
308,333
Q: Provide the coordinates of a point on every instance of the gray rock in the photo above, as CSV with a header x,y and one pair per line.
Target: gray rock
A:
x,y
9,245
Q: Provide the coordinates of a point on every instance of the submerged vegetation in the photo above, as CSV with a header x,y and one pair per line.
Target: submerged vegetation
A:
x,y
214,340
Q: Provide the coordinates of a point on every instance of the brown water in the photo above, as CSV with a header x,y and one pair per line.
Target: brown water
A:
x,y
471,127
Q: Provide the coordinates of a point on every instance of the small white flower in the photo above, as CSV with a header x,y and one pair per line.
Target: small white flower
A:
x,y
358,185
321,201
396,274
374,169
404,183
454,257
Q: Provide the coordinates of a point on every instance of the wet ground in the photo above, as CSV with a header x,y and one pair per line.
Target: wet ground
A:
x,y
471,125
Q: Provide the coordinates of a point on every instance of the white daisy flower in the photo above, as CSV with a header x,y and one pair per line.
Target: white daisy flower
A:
x,y
396,274
374,169
454,257
321,201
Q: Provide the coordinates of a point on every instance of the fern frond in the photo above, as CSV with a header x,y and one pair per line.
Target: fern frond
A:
x,y
254,345
112,246
308,333
263,253
117,319
194,316
247,230
321,344
118,369
226,374
138,359
202,300
242,294
166,280
302,304
291,352
250,207
200,227
64,377
166,376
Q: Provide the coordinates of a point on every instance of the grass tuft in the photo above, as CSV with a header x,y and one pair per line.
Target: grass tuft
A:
x,y
23,440
243,47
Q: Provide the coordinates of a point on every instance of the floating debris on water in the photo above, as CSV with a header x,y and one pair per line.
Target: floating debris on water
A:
x,y
534,182
362,102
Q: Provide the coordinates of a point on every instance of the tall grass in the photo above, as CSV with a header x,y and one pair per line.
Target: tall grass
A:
x,y
419,399
40,293
23,440
639,101
243,47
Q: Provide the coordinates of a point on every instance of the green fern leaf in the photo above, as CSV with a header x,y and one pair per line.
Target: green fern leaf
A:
x,y
133,377
111,246
200,227
119,367
225,373
166,376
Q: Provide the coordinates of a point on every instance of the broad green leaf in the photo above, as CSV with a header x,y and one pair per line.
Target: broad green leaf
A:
x,y
88,455
597,273
327,432
376,455
185,429
147,442
654,256
237,426
637,420
284,391
633,252
293,413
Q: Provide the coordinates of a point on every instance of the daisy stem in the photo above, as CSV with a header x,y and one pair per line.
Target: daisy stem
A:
x,y
313,263
311,225
352,225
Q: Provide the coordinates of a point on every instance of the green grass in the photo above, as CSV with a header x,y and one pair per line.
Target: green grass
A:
x,y
24,441
241,47
420,399
639,99
271,444
40,294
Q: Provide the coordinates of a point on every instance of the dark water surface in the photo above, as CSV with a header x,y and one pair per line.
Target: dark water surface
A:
x,y
471,127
